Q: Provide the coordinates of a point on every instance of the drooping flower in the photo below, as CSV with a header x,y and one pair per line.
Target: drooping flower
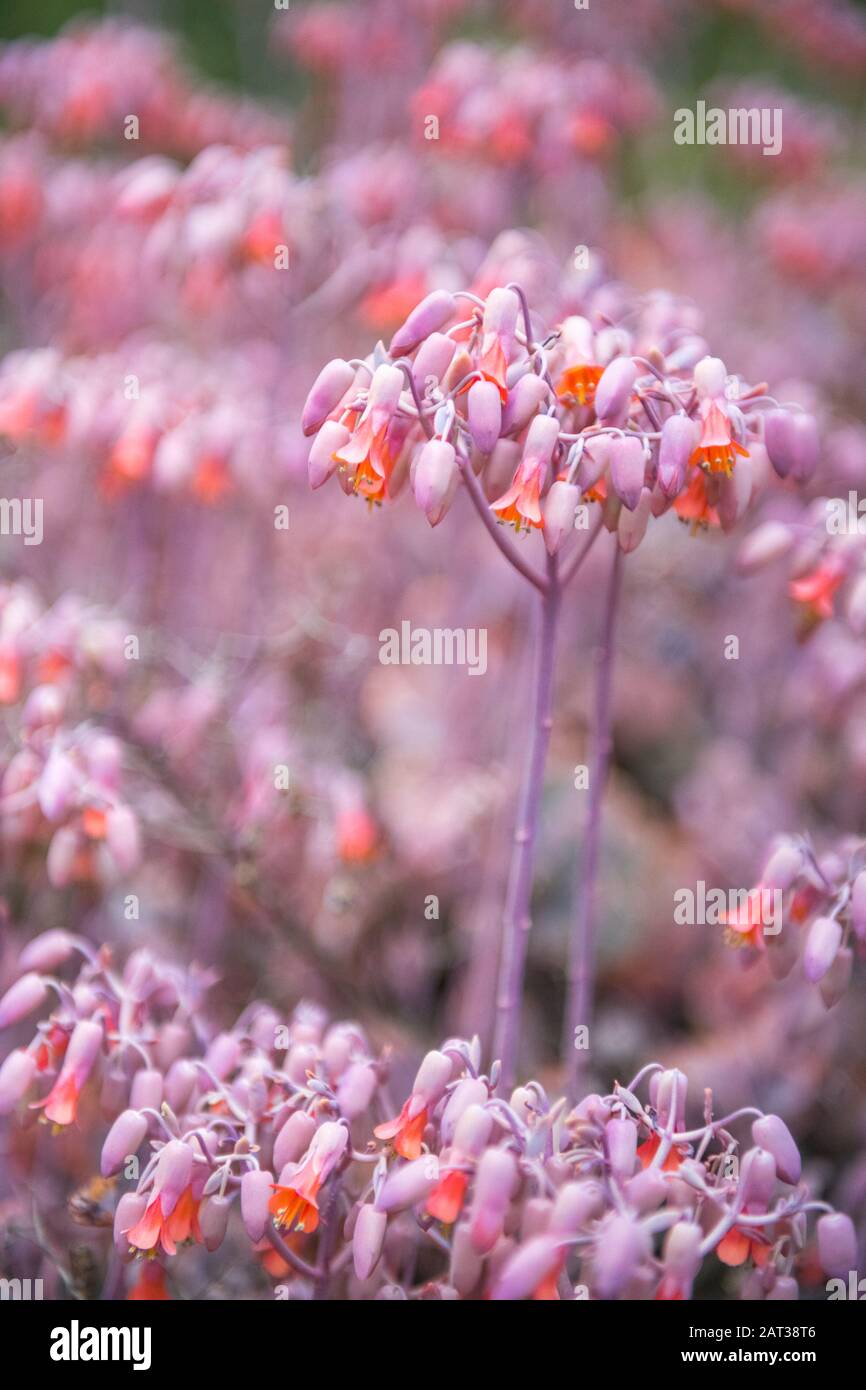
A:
x,y
171,1215
407,1129
294,1203
520,505
61,1103
369,454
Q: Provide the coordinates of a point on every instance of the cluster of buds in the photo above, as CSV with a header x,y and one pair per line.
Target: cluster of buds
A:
x,y
61,784
479,1194
591,414
81,87
823,918
520,107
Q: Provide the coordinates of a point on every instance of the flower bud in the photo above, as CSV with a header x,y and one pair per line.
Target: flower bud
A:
x,y
576,1203
473,1131
293,1139
21,999
213,1219
256,1187
527,1267
356,1089
621,1247
784,1290
822,945
679,437
123,1139
223,1055
179,1083
409,1185
834,986
627,468
613,392
646,1191
620,1137
792,443
433,1076
146,1089
58,784
367,1239
757,1180
495,1183
783,867
541,438
16,1074
484,415
433,312
470,1091
172,1174
122,837
128,1212
709,377
325,394
837,1244
432,361
47,950
668,1092
559,509
435,477
332,437
771,1133
466,1263
631,527
529,394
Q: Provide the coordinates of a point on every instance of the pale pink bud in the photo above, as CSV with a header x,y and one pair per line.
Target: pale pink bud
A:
x,y
621,1248
668,1092
61,858
541,439
435,479
822,944
122,837
495,1183
82,1052
332,437
356,1089
530,392
466,1263
433,1076
620,1137
293,1139
43,708
432,361
484,415
710,375
128,1212
527,1267
325,394
256,1192
47,950
613,392
179,1083
631,527
367,1240
837,1244
679,437
58,784
559,508
223,1055
757,1179
409,1184
834,986
500,313
24,996
428,317
473,1131
146,1089
16,1074
792,443
384,395
682,1254
627,467
646,1190
122,1141
576,1203
771,1133
783,867
213,1220
470,1091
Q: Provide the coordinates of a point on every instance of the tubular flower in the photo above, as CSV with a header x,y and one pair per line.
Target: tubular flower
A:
x,y
717,447
694,506
497,338
470,1138
816,590
171,1215
745,925
61,1103
294,1201
520,505
407,1129
369,454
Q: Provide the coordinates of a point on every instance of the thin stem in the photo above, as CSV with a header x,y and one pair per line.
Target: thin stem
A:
x,y
581,965
574,564
298,1265
517,921
504,544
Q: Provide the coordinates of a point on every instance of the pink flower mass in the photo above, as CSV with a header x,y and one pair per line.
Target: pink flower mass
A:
x,y
418,344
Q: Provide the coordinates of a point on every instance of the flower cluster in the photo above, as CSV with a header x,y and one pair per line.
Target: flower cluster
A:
x,y
480,1195
637,421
